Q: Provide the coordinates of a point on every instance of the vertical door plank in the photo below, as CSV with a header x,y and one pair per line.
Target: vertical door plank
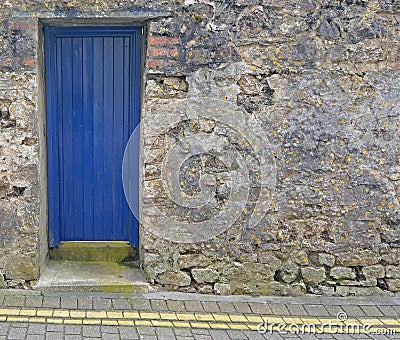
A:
x,y
88,141
108,137
68,152
118,109
127,130
98,134
77,128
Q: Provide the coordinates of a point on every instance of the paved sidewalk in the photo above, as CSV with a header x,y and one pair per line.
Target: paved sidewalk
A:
x,y
161,315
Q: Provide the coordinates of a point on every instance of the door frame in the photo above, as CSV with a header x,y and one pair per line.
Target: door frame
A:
x,y
44,244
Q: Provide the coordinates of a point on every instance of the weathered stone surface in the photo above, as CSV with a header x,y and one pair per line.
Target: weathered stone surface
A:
x,y
326,259
354,258
369,282
393,272
222,289
342,273
393,285
174,278
246,272
322,81
269,258
288,272
193,260
357,291
301,257
391,256
374,272
313,276
202,275
21,268
258,271
153,266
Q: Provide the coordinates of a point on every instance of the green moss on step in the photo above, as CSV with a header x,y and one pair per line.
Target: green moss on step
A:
x,y
93,252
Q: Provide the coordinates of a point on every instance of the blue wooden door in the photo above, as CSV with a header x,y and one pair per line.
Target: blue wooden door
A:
x,y
93,103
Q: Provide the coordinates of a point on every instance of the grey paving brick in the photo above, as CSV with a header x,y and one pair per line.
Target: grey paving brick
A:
x,y
219,334
159,305
394,336
141,304
353,311
73,337
325,336
165,333
91,331
54,336
14,301
277,336
334,310
109,329
360,336
4,328
371,311
184,338
20,325
129,332
297,310
254,335
260,308
397,309
194,306
242,307
176,306
55,328
380,337
121,304
278,309
289,335
147,337
316,310
341,336
211,307
69,302
72,329
308,337
34,301
226,307
183,332
51,302
202,337
388,311
101,304
200,331
16,333
236,335
143,330
85,303
35,337
37,328
109,336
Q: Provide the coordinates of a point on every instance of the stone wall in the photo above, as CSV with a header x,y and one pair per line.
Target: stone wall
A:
x,y
281,119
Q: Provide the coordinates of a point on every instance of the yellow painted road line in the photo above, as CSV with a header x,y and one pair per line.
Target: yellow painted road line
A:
x,y
271,323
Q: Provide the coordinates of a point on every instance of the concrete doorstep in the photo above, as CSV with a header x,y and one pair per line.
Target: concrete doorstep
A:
x,y
87,276
93,267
